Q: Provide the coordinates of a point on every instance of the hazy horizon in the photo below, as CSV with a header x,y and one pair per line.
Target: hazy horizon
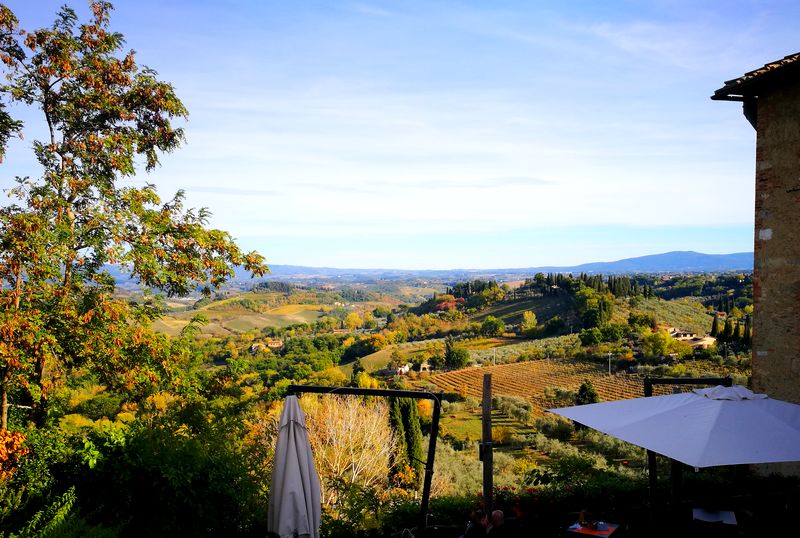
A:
x,y
512,268
453,134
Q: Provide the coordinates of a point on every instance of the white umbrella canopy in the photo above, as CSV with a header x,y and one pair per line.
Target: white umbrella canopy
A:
x,y
294,501
704,428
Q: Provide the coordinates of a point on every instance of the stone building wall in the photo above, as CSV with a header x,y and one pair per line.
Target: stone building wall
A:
x,y
776,289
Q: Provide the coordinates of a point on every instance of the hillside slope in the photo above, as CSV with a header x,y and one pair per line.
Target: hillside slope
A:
x,y
682,313
529,380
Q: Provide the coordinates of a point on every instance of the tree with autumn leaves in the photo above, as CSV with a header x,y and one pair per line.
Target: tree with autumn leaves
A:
x,y
105,117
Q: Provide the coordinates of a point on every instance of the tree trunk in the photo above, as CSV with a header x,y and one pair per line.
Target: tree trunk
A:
x,y
39,406
4,400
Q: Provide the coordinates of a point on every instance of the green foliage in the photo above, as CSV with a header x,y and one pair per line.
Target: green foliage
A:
x,y
613,332
357,367
413,437
60,520
492,326
44,522
514,407
180,474
359,510
47,449
364,346
104,115
590,337
554,347
656,344
555,428
727,331
587,394
447,510
400,456
611,447
529,324
639,321
594,307
715,328
105,404
454,356
411,327
554,326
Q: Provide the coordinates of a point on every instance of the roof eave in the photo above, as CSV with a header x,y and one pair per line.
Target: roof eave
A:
x,y
754,83
726,97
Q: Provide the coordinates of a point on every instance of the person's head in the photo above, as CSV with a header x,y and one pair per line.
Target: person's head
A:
x,y
498,518
479,517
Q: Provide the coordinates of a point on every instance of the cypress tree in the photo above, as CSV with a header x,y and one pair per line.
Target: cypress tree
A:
x,y
587,394
400,457
747,338
715,325
408,410
728,331
738,332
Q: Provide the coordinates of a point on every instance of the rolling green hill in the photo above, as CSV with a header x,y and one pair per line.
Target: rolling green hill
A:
x,y
683,313
544,308
242,312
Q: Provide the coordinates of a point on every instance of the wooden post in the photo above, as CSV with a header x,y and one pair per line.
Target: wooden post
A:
x,y
651,457
426,485
486,444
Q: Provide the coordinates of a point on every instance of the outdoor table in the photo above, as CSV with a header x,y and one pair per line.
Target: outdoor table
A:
x,y
726,517
577,528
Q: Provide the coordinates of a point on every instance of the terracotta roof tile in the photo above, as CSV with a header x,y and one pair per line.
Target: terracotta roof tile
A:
x,y
749,83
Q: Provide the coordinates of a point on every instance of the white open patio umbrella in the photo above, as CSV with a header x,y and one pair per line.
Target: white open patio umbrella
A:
x,y
294,501
704,428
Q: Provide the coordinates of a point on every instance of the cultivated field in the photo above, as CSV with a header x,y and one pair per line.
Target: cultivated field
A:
x,y
530,379
223,321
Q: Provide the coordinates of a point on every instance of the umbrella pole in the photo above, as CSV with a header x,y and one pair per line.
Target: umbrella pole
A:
x,y
676,472
651,456
653,476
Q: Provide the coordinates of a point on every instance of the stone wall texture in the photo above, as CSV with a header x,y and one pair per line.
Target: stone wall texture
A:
x,y
776,288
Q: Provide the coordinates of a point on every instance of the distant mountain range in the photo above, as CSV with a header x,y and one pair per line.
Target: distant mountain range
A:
x,y
679,261
669,262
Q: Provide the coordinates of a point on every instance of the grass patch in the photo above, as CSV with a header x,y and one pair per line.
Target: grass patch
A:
x,y
466,425
544,308
294,309
685,313
486,343
380,359
224,320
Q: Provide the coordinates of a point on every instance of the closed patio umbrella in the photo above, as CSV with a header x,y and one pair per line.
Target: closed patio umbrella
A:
x,y
704,428
294,501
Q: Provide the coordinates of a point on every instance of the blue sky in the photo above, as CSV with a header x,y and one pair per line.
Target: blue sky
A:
x,y
425,134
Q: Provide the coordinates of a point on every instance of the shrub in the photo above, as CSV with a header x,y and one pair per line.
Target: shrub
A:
x,y
501,435
514,407
555,428
179,476
105,404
